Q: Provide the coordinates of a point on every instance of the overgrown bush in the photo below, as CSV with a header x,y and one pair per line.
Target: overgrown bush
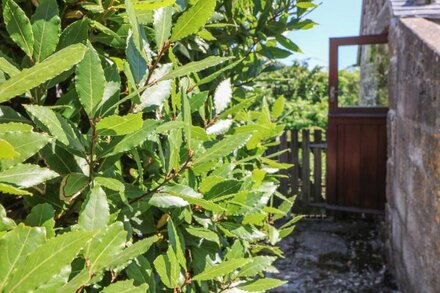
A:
x,y
129,157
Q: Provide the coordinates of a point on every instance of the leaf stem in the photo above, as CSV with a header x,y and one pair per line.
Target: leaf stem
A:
x,y
167,179
92,150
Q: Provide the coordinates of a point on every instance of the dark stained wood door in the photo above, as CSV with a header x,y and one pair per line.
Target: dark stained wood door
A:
x,y
357,138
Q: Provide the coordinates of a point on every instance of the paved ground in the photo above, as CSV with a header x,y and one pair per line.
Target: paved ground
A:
x,y
328,255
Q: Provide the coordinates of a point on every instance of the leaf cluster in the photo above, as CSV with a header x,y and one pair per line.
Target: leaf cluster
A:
x,y
131,157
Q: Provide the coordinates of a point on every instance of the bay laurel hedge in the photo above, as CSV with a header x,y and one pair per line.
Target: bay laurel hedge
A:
x,y
131,145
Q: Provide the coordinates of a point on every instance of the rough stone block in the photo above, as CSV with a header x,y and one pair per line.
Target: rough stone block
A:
x,y
413,179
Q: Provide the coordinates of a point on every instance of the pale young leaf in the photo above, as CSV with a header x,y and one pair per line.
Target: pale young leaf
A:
x,y
222,96
220,127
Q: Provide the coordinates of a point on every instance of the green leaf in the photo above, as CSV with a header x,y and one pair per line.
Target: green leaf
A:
x,y
261,285
14,126
141,272
105,246
170,125
305,5
46,261
95,214
186,110
110,183
46,27
59,160
15,246
132,140
76,283
288,43
139,38
125,287
119,125
193,19
176,243
138,64
217,73
222,148
56,281
278,107
136,249
7,151
26,175
5,222
7,67
168,268
203,233
206,35
102,28
26,144
275,52
51,67
302,25
58,126
90,82
162,25
223,188
196,66
42,215
76,32
196,101
72,185
257,265
221,269
144,5
8,115
18,26
9,189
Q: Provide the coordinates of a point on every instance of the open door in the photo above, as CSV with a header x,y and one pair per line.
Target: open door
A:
x,y
357,139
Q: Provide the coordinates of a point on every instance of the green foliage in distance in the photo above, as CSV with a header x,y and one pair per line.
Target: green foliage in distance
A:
x,y
130,156
304,92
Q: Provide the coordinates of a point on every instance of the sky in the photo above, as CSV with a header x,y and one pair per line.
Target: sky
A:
x,y
336,18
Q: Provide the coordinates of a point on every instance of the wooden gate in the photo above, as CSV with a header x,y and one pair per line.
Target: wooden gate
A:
x,y
356,135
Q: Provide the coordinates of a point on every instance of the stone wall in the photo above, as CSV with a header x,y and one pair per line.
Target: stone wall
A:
x,y
373,58
413,169
374,17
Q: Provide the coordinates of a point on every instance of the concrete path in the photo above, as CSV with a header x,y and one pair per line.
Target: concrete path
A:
x,y
328,255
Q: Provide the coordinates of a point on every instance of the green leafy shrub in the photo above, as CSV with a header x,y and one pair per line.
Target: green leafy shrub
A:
x,y
129,156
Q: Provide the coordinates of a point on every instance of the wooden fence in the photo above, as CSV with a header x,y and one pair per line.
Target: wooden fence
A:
x,y
307,153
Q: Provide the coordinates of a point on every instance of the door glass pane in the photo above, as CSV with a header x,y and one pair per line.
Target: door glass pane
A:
x,y
363,76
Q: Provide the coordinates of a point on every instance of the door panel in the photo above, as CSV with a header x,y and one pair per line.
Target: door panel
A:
x,y
356,160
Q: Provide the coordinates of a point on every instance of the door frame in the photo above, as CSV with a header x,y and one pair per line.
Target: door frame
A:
x,y
337,114
335,43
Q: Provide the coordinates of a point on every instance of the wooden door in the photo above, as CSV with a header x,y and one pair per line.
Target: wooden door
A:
x,y
357,139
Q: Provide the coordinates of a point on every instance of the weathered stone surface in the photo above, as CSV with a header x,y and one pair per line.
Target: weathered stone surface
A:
x,y
413,179
374,17
334,255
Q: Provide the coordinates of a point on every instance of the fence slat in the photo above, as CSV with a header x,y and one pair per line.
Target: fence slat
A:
x,y
283,158
305,174
317,167
304,179
294,158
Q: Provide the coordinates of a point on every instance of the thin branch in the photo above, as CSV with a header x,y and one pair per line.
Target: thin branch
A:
x,y
168,178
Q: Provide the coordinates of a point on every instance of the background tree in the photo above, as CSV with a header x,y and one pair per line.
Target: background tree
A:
x,y
305,90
